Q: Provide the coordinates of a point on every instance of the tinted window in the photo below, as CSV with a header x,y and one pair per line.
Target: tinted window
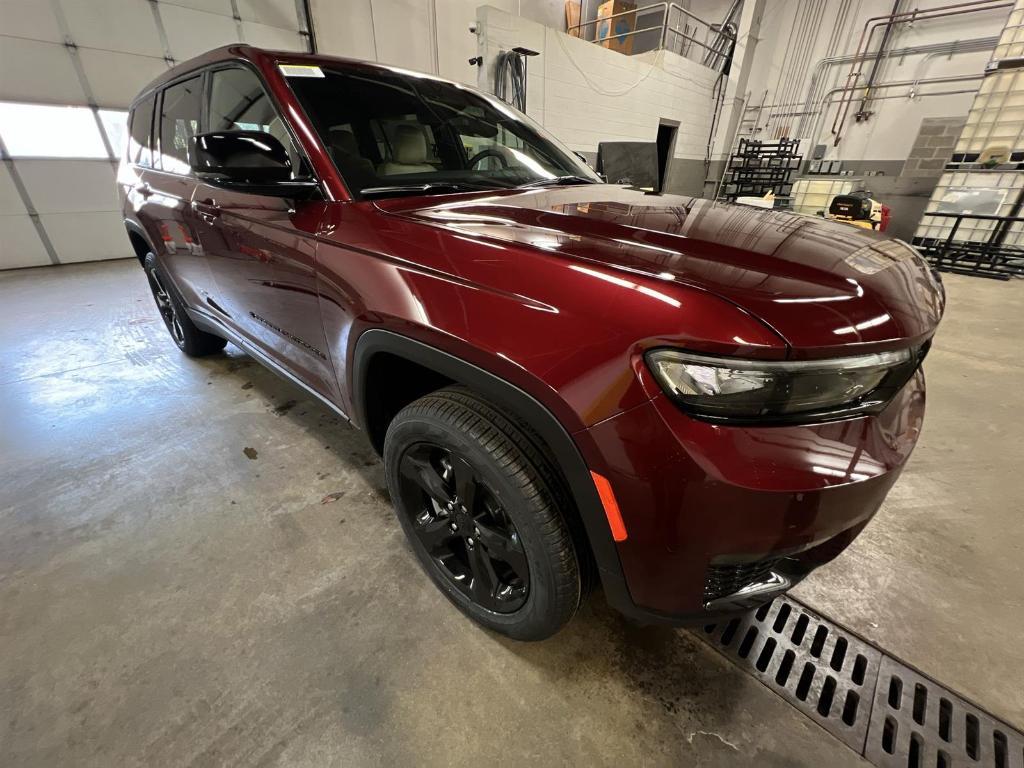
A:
x,y
140,135
384,128
239,103
179,122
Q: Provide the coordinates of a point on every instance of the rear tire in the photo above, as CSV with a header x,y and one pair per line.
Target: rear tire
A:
x,y
472,495
185,334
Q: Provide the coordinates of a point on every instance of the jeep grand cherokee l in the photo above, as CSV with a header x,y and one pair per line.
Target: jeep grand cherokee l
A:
x,y
571,383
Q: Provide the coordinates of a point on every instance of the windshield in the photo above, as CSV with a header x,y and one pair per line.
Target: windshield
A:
x,y
388,130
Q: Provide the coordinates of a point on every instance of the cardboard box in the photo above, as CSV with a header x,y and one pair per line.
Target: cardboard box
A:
x,y
572,17
612,30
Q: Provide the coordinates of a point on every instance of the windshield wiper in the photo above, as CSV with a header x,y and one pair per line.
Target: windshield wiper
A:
x,y
559,181
420,189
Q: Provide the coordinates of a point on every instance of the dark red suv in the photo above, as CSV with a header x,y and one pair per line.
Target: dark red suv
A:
x,y
570,382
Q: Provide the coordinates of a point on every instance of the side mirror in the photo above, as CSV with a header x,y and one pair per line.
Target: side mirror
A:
x,y
248,161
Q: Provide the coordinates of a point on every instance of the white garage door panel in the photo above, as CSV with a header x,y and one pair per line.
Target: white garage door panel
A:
x,y
69,186
275,13
272,37
30,18
87,236
119,47
115,78
222,7
10,200
190,33
340,28
413,49
37,72
20,245
113,25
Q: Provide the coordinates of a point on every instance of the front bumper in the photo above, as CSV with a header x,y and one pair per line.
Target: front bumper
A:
x,y
721,518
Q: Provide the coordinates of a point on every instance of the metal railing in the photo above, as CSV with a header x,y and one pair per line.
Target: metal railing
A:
x,y
676,29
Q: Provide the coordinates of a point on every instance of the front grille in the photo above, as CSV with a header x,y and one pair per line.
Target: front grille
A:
x,y
725,579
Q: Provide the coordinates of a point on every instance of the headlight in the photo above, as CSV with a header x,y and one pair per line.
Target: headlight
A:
x,y
722,388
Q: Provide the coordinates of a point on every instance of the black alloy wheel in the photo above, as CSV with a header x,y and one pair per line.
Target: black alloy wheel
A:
x,y
485,512
187,336
166,308
463,529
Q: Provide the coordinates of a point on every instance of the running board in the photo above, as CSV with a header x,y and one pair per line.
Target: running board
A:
x,y
213,325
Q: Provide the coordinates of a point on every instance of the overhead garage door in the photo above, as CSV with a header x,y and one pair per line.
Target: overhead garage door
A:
x,y
68,70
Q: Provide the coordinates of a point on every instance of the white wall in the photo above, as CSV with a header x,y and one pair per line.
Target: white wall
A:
x,y
585,93
581,92
401,33
890,132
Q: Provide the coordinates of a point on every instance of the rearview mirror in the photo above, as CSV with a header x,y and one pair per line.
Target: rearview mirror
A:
x,y
249,161
469,125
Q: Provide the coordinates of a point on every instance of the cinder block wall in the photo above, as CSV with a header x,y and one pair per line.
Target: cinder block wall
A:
x,y
933,147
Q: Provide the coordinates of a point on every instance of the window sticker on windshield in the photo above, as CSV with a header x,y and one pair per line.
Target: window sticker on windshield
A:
x,y
300,70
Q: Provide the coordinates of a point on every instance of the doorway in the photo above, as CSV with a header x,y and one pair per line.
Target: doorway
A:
x,y
667,131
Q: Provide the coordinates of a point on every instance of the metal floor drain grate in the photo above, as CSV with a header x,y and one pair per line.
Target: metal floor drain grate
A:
x,y
824,672
878,706
916,722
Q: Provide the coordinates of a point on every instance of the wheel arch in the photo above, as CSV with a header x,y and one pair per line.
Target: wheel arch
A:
x,y
139,240
560,447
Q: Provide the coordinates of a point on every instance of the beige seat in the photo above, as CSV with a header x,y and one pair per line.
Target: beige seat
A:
x,y
410,153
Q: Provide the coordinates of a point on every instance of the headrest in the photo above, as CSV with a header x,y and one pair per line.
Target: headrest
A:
x,y
344,141
410,145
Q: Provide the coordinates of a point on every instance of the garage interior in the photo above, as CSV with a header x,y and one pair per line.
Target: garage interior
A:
x,y
199,563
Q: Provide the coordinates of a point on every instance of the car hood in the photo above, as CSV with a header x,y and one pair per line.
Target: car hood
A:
x,y
818,284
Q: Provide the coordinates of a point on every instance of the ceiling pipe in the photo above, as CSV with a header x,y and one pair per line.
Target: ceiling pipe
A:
x,y
891,96
886,36
795,34
845,91
867,97
801,63
873,23
973,45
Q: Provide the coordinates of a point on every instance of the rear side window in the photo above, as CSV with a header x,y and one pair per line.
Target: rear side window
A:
x,y
238,102
179,122
140,141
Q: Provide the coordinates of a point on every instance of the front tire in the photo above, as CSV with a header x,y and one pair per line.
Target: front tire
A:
x,y
185,334
472,494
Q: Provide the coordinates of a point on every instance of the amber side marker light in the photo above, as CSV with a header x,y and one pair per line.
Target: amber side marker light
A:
x,y
611,507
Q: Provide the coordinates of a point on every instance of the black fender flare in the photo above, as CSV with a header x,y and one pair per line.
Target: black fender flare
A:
x,y
563,448
134,228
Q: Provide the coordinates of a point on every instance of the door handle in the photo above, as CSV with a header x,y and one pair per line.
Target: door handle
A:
x,y
206,212
145,190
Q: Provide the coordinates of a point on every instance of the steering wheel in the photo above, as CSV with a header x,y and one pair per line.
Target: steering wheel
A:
x,y
485,153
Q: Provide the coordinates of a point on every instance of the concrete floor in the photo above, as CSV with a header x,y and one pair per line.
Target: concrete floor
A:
x,y
937,579
199,565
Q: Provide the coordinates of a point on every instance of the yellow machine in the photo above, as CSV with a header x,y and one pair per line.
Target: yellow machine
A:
x,y
860,210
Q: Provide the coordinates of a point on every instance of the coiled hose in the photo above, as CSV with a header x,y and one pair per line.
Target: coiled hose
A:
x,y
510,70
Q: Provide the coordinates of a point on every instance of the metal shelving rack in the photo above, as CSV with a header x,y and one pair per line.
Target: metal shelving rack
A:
x,y
992,247
759,167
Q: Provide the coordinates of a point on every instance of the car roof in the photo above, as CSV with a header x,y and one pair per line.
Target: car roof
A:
x,y
263,57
